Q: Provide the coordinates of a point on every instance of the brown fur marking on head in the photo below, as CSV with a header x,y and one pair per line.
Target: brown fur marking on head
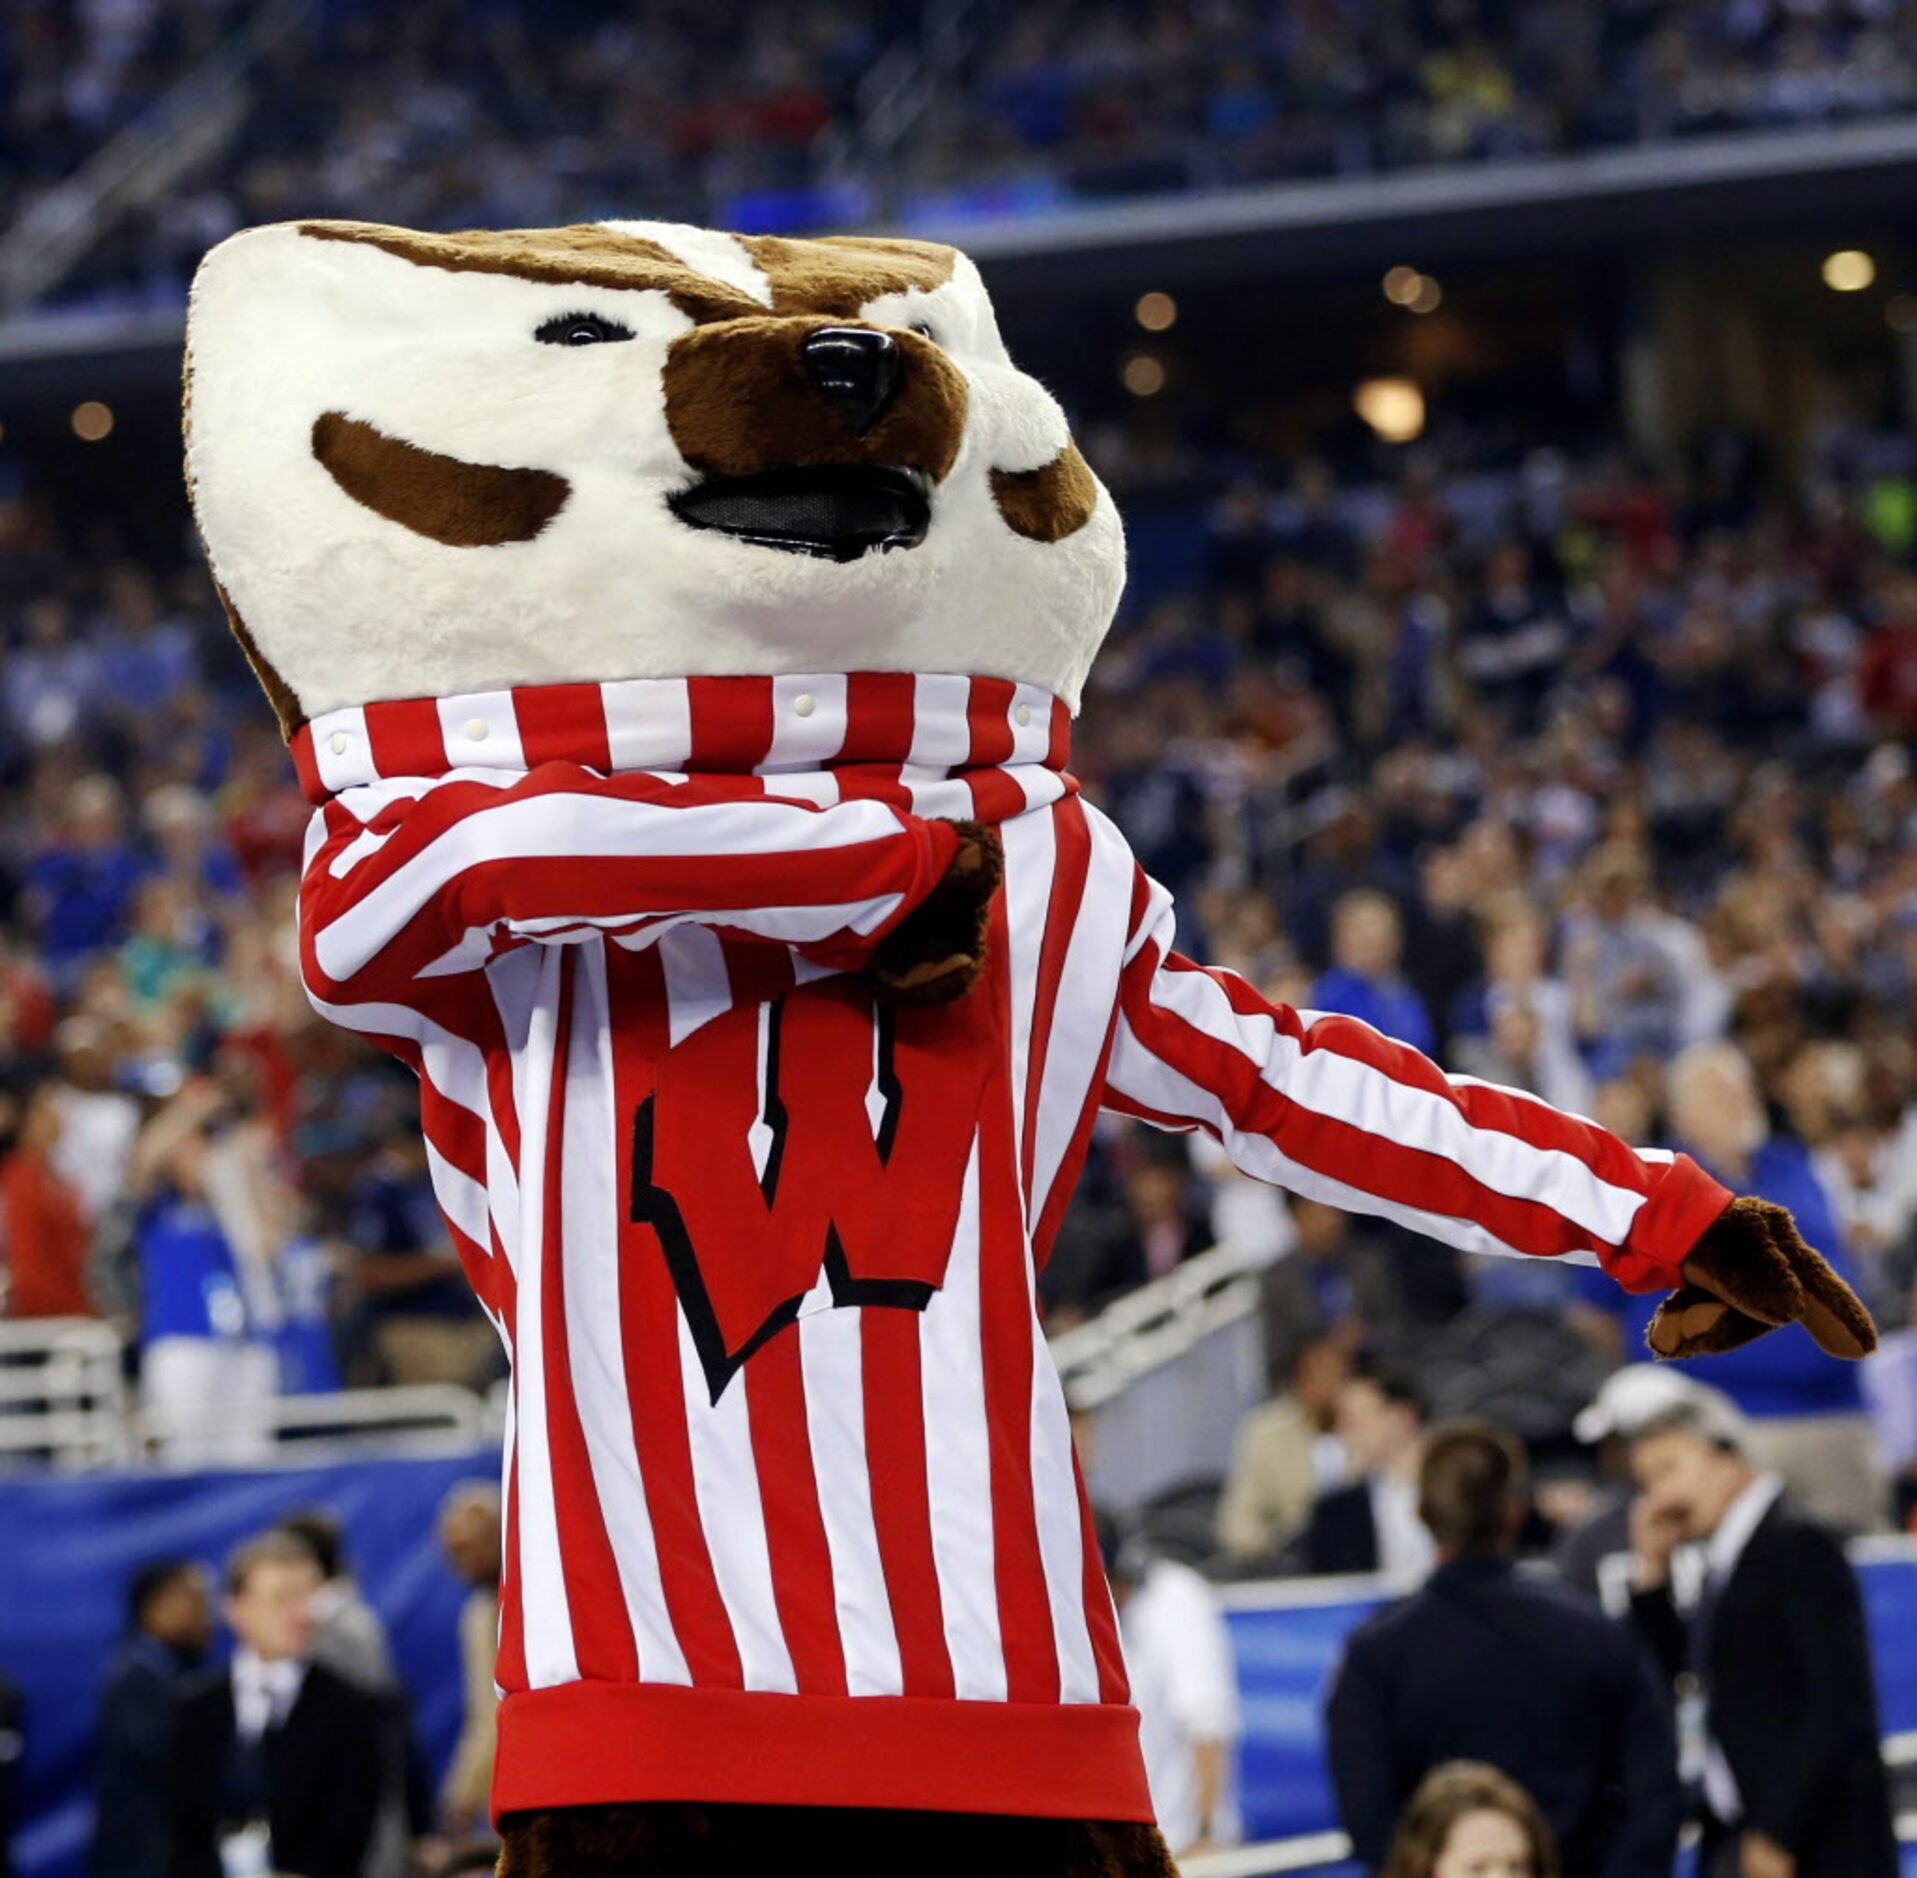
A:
x,y
1050,502
838,274
738,400
585,255
279,694
464,505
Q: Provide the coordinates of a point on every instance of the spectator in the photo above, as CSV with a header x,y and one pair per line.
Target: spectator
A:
x,y
81,887
98,1121
350,1640
1638,975
1596,1556
206,1308
470,1533
1807,1411
171,1608
1185,1688
1372,1524
1485,1665
1341,1273
43,1232
425,1325
1367,943
1471,1822
1790,1781
1285,1454
13,1745
277,1753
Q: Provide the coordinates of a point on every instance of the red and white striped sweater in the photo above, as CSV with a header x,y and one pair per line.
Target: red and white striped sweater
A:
x,y
793,1514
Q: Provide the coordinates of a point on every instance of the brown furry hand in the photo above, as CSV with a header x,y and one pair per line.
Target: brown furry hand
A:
x,y
1749,1273
936,952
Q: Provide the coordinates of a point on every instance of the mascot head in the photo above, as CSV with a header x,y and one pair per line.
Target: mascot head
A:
x,y
428,464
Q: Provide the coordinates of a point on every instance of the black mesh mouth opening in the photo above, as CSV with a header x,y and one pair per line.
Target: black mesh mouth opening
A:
x,y
835,512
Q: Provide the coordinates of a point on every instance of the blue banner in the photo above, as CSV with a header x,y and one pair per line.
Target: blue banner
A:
x,y
68,1549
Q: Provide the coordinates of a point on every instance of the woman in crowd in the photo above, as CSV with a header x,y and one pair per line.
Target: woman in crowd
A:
x,y
1469,1821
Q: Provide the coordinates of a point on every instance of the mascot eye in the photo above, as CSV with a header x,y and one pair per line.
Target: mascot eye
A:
x,y
581,329
924,331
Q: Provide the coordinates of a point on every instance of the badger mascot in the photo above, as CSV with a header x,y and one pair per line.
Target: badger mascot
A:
x,y
677,634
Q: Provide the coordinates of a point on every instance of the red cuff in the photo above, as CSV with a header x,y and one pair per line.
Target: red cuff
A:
x,y
935,845
592,1743
1682,1205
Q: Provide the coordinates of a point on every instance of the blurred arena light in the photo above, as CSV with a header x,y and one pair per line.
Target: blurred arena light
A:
x,y
1849,270
1155,311
1143,374
92,421
1393,407
1401,285
1412,290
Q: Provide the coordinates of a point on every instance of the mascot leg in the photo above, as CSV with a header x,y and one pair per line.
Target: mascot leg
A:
x,y
673,1839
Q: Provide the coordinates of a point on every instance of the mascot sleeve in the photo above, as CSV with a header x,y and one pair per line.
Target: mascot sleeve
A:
x,y
413,879
1330,1108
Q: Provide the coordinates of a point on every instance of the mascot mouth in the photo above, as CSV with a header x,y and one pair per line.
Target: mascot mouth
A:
x,y
835,512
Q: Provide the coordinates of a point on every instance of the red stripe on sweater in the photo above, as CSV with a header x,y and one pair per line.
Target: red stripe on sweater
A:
x,y
406,737
802,1584
509,1669
731,723
649,1321
1101,1614
988,716
901,1501
563,724
1006,1330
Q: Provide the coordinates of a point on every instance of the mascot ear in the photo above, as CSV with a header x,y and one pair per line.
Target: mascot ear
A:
x,y
1750,1273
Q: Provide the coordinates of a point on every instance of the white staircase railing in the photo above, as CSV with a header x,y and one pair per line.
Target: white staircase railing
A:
x,y
65,1405
186,123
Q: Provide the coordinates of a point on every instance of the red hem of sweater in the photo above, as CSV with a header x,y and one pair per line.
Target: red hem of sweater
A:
x,y
1668,1225
588,1743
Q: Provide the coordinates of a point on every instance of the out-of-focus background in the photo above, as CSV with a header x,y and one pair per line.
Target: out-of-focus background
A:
x,y
1513,408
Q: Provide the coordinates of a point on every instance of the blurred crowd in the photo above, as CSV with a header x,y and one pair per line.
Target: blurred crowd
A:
x,y
262,1725
189,1153
457,113
1591,782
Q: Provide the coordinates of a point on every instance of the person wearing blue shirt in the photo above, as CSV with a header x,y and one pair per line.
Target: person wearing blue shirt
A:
x,y
1806,1409
1367,941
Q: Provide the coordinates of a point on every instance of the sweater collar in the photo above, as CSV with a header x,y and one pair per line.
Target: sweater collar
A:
x,y
925,726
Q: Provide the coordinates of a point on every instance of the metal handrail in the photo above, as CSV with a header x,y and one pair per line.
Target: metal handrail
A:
x,y
436,1415
188,121
1156,1324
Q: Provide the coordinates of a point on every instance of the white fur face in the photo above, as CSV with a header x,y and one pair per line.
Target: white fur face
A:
x,y
359,580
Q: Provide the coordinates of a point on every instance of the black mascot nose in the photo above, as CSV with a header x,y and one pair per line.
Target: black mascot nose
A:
x,y
855,369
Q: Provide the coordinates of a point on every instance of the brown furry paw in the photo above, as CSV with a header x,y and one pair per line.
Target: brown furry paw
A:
x,y
937,951
1749,1273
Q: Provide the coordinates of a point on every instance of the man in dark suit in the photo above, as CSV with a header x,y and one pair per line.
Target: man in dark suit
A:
x,y
171,1608
1371,1525
276,1752
1772,1661
13,1744
1485,1665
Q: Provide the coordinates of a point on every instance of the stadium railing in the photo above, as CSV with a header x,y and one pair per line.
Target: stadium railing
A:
x,y
65,1405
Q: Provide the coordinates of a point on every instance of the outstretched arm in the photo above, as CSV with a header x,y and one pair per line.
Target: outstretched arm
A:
x,y
418,878
1330,1108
